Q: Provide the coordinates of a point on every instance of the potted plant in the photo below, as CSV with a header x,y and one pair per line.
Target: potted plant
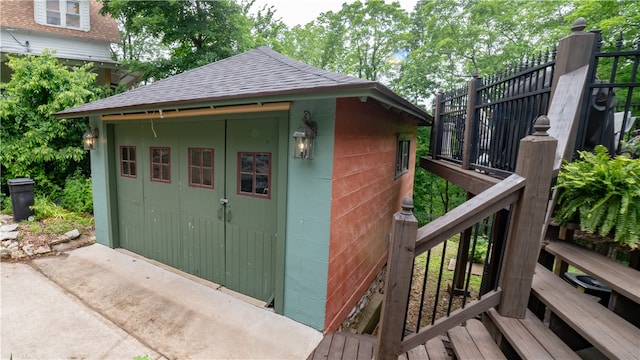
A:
x,y
603,194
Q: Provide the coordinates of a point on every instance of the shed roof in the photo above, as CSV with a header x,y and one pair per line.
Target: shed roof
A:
x,y
19,14
258,75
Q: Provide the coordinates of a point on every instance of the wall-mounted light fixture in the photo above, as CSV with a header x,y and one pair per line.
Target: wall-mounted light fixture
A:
x,y
90,138
303,138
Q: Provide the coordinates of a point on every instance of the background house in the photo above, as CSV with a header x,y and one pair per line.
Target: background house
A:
x,y
197,171
73,28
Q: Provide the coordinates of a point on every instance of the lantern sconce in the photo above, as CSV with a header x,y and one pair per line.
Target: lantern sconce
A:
x,y
304,137
90,138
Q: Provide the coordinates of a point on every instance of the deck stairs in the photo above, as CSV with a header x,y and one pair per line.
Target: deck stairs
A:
x,y
562,323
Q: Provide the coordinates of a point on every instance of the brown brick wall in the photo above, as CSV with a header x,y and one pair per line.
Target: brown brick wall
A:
x,y
364,197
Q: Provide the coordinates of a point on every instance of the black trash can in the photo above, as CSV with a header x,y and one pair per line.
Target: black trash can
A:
x,y
21,190
590,286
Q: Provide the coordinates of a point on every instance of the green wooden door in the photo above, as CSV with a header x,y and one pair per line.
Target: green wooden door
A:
x,y
199,196
202,186
251,211
130,188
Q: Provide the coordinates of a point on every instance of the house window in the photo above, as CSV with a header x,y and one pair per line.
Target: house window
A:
x,y
402,156
160,164
201,167
128,161
73,14
254,174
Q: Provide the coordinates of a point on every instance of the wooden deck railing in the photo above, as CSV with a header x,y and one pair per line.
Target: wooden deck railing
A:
x,y
526,193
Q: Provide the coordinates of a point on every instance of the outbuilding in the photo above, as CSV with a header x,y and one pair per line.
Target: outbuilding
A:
x,y
265,175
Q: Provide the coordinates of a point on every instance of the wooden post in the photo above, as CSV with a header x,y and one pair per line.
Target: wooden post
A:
x,y
470,123
398,283
535,163
462,258
436,139
574,52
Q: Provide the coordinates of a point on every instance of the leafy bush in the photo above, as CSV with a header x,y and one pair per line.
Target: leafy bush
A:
x,y
482,246
34,143
603,193
77,194
44,208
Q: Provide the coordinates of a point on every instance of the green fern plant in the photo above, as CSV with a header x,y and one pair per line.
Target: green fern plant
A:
x,y
603,193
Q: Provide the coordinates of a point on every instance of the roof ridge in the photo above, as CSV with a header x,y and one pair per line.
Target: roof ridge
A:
x,y
303,67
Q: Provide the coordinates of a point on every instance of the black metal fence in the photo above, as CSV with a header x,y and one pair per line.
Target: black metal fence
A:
x,y
506,105
610,108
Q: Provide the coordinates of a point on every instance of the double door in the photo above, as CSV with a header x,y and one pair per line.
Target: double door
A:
x,y
202,198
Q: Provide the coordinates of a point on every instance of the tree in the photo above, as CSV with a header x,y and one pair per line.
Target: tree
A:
x,y
194,32
266,28
34,143
358,40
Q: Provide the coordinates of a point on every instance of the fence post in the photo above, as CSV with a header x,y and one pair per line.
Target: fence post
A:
x,y
470,123
574,52
535,164
436,139
398,282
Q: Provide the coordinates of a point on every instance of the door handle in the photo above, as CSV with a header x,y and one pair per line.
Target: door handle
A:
x,y
220,212
228,215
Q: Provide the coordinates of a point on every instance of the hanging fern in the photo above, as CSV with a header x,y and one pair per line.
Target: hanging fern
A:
x,y
603,193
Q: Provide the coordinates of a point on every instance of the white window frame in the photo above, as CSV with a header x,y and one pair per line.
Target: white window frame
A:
x,y
40,14
403,155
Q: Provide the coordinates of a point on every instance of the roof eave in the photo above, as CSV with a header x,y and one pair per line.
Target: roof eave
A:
x,y
374,90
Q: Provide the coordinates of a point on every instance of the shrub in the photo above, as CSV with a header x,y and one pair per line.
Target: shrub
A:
x,y
77,194
482,246
603,193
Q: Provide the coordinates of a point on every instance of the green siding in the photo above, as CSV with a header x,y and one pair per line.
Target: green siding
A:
x,y
101,181
308,218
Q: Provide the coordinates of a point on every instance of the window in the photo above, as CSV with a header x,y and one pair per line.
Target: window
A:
x,y
73,14
128,161
201,167
160,164
402,156
254,174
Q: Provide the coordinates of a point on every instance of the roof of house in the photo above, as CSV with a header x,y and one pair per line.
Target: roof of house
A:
x,y
19,14
261,75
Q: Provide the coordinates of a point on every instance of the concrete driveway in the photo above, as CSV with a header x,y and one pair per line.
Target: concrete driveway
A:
x,y
99,303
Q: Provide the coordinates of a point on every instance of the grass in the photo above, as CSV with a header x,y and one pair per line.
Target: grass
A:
x,y
51,218
431,288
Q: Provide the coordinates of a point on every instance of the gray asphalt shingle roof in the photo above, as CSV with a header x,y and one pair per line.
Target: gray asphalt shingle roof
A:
x,y
258,73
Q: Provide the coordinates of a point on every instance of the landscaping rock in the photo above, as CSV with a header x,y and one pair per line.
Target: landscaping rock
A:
x,y
68,236
73,234
8,228
28,249
11,235
44,249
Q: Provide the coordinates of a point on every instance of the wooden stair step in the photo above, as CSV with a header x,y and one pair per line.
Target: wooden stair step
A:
x,y
344,345
434,349
621,279
609,333
473,341
530,338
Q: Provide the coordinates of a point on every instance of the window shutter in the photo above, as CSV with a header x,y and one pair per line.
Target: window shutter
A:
x,y
85,15
40,12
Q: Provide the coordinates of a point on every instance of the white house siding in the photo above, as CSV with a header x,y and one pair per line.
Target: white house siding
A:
x,y
66,47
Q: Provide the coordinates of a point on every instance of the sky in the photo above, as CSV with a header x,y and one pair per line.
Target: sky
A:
x,y
300,12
